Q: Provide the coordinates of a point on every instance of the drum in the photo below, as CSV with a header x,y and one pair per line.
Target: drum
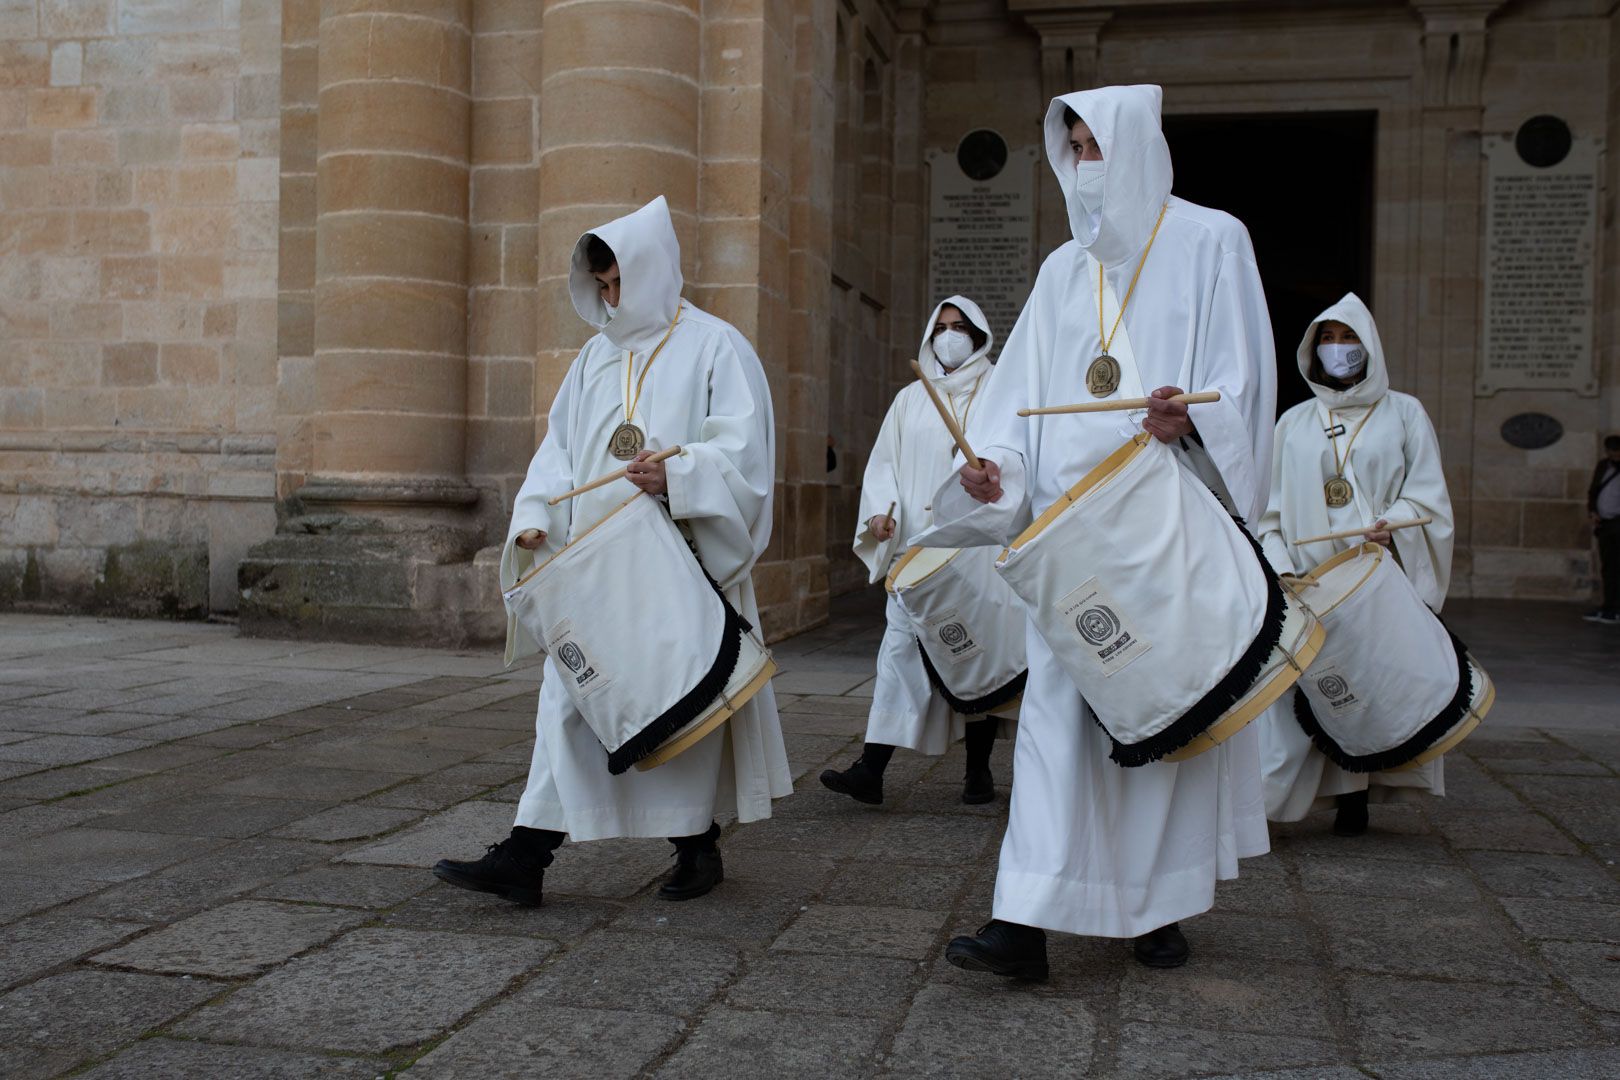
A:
x,y
1392,688
969,626
648,648
1159,606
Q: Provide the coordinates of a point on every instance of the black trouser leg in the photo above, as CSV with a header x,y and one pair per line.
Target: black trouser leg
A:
x,y
980,739
537,844
875,756
707,840
1609,561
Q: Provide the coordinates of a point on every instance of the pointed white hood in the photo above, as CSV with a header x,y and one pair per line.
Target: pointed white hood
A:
x,y
1354,314
1125,121
969,370
650,278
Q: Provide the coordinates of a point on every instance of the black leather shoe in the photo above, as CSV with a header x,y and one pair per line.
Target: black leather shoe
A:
x,y
978,787
1165,947
858,782
508,869
1351,820
697,870
1002,948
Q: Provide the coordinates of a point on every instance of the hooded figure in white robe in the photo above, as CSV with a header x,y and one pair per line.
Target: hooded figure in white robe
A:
x,y
1091,847
705,391
1387,450
912,457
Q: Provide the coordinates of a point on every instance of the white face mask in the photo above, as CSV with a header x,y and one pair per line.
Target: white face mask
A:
x,y
1342,360
953,347
1088,184
612,309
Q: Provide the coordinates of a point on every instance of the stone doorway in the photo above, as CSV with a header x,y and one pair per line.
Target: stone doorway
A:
x,y
1303,184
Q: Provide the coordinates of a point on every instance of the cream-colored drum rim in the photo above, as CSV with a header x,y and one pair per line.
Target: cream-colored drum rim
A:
x,y
526,578
694,735
1315,576
1104,469
1464,729
906,559
1251,708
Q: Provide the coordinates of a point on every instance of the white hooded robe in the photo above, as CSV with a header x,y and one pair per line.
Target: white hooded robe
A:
x,y
1395,473
912,457
707,393
1091,847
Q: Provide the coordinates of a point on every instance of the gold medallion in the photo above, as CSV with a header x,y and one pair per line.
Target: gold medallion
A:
x,y
627,441
1337,491
1102,377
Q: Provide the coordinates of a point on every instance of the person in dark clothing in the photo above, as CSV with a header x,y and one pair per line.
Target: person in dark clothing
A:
x,y
1603,507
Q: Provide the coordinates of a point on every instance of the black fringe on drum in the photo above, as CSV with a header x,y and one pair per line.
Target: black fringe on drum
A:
x,y
973,706
1426,736
695,701
1226,693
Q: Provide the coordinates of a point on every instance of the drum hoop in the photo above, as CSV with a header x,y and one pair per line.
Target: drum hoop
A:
x,y
1104,470
731,707
530,576
1378,552
1474,717
905,560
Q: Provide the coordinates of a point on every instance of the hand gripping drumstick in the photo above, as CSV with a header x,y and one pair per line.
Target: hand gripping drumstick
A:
x,y
662,455
1348,533
1121,404
950,421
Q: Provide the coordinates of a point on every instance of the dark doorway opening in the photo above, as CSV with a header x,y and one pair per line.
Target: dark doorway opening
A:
x,y
1303,184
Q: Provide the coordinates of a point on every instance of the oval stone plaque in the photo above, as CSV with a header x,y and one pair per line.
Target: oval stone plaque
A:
x,y
1532,430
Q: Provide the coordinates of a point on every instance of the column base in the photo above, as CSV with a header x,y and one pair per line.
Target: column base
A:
x,y
386,562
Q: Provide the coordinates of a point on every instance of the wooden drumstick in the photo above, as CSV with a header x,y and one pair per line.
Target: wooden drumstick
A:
x,y
1205,397
662,455
1348,533
890,512
950,421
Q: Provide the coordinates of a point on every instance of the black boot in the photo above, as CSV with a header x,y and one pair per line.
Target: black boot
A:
x,y
697,866
513,869
862,781
1002,948
1165,947
978,785
1351,820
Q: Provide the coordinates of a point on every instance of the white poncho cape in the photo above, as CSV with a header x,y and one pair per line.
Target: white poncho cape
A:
x,y
1395,473
1093,848
707,393
910,461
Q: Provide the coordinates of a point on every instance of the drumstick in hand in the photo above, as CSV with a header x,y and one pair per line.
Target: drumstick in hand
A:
x,y
662,455
1120,404
1348,533
950,421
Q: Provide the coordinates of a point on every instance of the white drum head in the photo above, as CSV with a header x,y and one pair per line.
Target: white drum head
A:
x,y
917,564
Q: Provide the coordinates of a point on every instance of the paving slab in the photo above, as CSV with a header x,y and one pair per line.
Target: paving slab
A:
x,y
237,939
1396,1018
231,816
180,1058
331,1001
636,972
864,931
1565,920
1266,999
218,875
94,1012
1547,876
783,1047
442,907
347,822
32,946
812,983
1546,1065
999,1031
1170,1049
1421,938
512,1041
350,886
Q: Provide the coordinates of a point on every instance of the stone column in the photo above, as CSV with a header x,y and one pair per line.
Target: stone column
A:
x,y
1069,61
388,422
1451,219
619,103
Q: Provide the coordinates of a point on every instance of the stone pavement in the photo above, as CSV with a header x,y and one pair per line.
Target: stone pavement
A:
x,y
215,854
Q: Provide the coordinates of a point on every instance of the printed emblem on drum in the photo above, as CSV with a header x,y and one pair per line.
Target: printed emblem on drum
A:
x,y
954,637
1334,693
586,676
1104,634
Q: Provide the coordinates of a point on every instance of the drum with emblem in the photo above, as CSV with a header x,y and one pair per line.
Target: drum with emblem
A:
x,y
1159,606
1392,688
969,627
648,648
